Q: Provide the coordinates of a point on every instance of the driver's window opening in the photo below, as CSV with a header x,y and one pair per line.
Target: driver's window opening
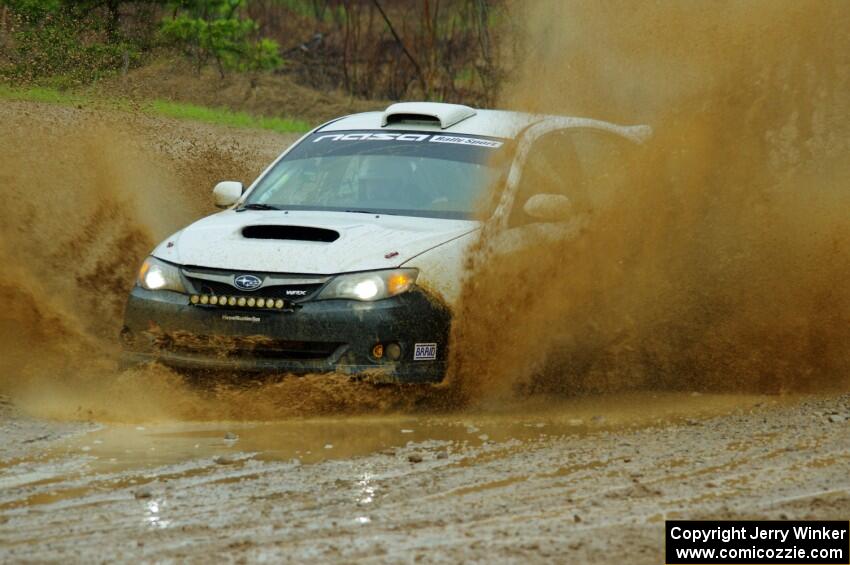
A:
x,y
586,166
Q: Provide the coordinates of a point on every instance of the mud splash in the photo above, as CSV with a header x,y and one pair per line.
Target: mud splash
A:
x,y
88,193
721,263
70,237
84,193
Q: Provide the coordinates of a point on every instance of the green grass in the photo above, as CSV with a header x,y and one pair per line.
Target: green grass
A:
x,y
225,117
40,94
177,110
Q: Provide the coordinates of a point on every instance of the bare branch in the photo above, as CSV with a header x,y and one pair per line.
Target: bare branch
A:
x,y
403,48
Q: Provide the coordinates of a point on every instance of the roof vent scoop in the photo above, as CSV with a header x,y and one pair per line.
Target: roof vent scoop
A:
x,y
446,115
294,233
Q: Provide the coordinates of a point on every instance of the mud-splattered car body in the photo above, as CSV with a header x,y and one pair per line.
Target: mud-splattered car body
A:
x,y
346,254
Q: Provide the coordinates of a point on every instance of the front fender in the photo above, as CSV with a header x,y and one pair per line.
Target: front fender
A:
x,y
441,269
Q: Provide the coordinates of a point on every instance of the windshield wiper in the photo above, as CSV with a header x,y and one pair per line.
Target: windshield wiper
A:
x,y
257,206
375,212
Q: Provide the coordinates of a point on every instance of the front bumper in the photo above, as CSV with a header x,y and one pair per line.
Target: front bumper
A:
x,y
317,337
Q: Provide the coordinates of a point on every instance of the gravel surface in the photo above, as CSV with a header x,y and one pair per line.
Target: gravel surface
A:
x,y
546,494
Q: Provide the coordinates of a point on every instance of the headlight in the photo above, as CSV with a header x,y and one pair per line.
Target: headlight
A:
x,y
158,275
369,286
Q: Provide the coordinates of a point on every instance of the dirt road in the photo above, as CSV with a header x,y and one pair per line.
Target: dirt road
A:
x,y
580,481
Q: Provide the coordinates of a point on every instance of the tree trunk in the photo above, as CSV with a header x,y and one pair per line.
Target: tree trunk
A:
x,y
113,25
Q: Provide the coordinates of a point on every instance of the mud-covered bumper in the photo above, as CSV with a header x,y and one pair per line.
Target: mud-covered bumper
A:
x,y
320,336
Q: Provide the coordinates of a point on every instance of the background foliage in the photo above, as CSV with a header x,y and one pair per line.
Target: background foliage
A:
x,y
450,50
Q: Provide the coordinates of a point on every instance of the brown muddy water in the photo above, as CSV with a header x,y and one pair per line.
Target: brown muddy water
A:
x,y
316,439
124,454
710,258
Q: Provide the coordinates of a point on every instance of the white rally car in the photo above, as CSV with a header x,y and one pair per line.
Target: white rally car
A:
x,y
346,254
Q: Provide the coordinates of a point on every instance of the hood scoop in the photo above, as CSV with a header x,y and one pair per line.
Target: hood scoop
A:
x,y
292,233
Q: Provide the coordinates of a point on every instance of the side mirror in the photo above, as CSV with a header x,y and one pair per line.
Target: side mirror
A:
x,y
548,207
226,193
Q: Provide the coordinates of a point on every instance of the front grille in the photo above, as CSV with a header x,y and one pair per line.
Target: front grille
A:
x,y
254,347
287,292
290,287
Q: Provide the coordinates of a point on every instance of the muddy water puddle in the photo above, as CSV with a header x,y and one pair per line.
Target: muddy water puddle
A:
x,y
121,455
317,439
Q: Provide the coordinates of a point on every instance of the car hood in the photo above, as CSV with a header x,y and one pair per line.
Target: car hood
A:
x,y
365,242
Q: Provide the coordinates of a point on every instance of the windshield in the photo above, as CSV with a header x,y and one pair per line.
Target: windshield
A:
x,y
403,173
